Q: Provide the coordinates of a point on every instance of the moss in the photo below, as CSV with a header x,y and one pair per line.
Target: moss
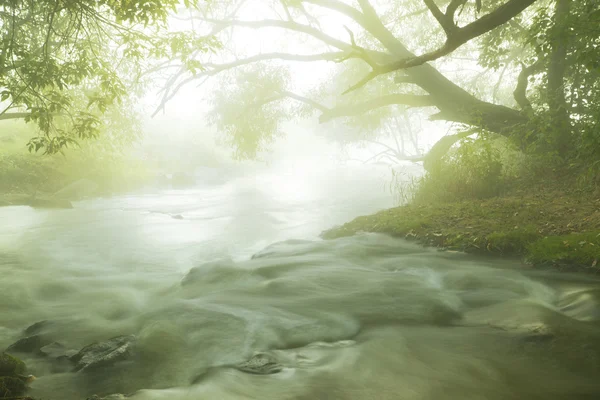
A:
x,y
11,387
582,249
515,241
10,366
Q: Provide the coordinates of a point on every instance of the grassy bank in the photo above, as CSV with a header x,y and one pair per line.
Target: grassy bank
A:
x,y
558,226
25,174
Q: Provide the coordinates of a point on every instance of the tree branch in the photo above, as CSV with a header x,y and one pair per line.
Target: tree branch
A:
x,y
456,37
445,21
14,115
288,25
383,101
342,8
520,92
452,7
214,69
306,100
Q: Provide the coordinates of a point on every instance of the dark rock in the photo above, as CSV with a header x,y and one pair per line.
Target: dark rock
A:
x,y
104,353
29,344
54,350
261,364
37,328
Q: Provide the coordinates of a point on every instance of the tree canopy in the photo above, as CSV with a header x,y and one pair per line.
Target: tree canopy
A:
x,y
394,56
524,69
65,63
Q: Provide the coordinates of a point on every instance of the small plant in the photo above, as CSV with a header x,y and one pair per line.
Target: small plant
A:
x,y
402,186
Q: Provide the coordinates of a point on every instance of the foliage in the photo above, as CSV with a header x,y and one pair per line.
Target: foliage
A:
x,y
473,169
65,63
488,66
101,161
253,120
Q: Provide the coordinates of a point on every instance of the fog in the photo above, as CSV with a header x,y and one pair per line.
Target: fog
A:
x,y
299,200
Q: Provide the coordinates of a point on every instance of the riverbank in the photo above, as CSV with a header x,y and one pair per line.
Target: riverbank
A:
x,y
545,227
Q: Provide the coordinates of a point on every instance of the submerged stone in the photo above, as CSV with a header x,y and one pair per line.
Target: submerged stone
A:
x,y
104,354
54,350
37,328
260,364
29,344
117,396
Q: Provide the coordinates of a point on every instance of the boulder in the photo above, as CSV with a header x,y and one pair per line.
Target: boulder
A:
x,y
38,327
56,350
103,354
28,344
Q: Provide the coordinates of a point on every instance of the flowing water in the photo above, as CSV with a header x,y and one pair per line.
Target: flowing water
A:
x,y
242,271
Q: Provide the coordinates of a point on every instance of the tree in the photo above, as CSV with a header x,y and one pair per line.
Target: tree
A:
x,y
543,44
65,63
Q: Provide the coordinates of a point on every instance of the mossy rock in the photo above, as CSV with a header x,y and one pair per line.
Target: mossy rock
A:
x,y
11,387
11,366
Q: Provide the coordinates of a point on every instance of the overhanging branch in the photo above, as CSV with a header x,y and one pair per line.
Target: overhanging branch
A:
x,y
211,69
456,36
383,101
520,92
14,115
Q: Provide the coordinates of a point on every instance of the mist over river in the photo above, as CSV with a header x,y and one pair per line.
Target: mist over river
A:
x,y
207,278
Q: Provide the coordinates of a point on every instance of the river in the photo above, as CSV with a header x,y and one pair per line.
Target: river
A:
x,y
207,277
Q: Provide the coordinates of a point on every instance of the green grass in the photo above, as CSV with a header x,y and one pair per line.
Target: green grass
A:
x,y
579,249
542,225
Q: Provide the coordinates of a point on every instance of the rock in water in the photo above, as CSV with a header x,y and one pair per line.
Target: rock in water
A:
x,y
117,396
54,350
38,327
29,344
104,353
261,364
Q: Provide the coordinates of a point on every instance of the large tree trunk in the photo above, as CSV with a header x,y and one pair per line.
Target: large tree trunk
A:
x,y
455,103
559,116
